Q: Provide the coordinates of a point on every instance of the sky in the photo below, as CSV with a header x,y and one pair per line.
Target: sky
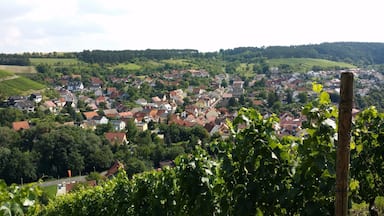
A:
x,y
205,25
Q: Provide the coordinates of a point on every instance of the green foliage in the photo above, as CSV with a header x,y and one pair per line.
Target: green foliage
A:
x,y
315,173
367,155
4,74
20,200
255,167
54,61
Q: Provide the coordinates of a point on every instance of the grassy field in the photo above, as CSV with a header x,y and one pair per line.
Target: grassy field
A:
x,y
179,62
306,64
4,74
128,66
54,61
50,191
20,85
18,69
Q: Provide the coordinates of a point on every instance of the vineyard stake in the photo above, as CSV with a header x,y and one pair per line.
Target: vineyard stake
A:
x,y
344,138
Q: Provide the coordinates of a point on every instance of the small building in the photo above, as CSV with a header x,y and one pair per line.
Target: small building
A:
x,y
36,97
118,125
116,138
51,106
100,120
20,125
25,105
75,86
90,115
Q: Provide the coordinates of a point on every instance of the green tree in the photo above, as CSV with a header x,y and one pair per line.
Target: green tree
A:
x,y
103,128
366,157
224,83
303,97
272,98
131,130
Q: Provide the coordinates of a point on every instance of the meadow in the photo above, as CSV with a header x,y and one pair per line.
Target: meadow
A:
x,y
18,69
54,61
307,64
4,74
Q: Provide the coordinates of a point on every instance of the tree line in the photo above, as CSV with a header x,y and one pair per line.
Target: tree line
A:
x,y
14,59
50,149
106,56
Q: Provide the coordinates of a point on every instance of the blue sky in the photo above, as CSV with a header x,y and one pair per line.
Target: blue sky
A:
x,y
206,25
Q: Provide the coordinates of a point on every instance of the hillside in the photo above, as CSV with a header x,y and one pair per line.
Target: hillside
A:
x,y
13,84
4,74
307,64
358,53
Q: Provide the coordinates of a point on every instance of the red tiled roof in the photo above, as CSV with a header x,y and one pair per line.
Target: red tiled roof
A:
x,y
115,137
20,125
125,114
90,115
96,80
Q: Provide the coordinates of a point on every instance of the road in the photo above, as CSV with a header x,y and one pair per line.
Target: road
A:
x,y
60,181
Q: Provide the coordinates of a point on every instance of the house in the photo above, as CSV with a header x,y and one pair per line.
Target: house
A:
x,y
142,126
116,138
69,97
96,82
211,115
125,115
60,103
238,88
141,102
50,106
88,124
75,86
100,120
111,113
100,99
156,99
111,90
118,125
98,92
36,97
90,115
25,105
20,125
225,99
14,99
199,73
114,168
289,124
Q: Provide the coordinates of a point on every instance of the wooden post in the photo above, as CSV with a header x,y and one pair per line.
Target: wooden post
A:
x,y
344,138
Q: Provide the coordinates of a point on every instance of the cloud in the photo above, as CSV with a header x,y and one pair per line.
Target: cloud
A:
x,y
71,25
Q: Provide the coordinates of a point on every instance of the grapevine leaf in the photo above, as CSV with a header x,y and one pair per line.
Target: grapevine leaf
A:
x,y
325,98
317,87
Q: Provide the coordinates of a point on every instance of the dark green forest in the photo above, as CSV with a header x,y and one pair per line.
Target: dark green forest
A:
x,y
351,52
361,53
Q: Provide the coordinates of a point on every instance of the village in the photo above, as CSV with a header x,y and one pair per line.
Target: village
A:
x,y
204,105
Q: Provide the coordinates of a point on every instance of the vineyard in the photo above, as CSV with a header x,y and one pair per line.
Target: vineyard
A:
x,y
255,172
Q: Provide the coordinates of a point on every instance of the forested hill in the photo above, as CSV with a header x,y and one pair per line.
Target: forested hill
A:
x,y
108,56
357,53
360,53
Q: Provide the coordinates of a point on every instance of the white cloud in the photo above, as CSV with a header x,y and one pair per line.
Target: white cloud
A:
x,y
74,25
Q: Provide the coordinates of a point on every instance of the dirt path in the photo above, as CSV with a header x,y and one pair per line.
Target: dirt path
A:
x,y
9,78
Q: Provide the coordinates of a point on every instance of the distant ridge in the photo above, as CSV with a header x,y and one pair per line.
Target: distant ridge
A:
x,y
358,53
